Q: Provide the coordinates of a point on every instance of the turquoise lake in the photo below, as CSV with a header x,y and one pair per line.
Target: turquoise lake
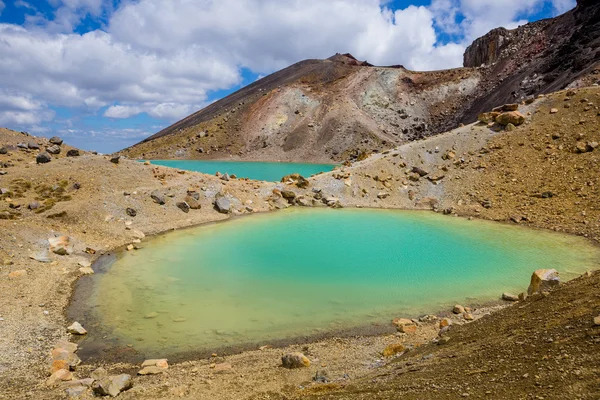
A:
x,y
302,272
261,171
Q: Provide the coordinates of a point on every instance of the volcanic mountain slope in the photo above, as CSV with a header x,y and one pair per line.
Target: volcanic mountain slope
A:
x,y
339,108
317,110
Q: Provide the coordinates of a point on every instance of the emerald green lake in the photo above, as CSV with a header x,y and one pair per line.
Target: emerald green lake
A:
x,y
261,171
301,272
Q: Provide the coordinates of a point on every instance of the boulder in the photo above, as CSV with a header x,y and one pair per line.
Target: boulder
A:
x,y
73,153
419,171
488,117
151,370
295,360
288,195
510,117
222,205
158,197
393,349
296,179
445,322
43,158
458,309
192,202
76,329
183,206
56,140
33,146
404,325
59,376
509,297
3,150
543,280
61,245
113,385
160,362
55,149
507,107
115,160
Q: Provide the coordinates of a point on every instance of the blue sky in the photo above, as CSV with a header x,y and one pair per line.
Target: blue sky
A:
x,y
104,74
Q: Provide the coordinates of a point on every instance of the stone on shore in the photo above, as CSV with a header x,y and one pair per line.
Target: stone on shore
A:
x,y
445,322
404,325
151,370
458,309
192,202
113,385
86,270
295,360
160,362
222,205
543,280
183,206
393,349
509,297
60,245
59,376
76,329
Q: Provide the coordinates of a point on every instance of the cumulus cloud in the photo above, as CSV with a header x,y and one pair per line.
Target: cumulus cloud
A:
x,y
164,58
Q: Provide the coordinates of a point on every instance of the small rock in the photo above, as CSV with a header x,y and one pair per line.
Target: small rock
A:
x,y
295,360
43,158
86,271
405,325
58,376
553,110
543,280
73,153
458,309
131,212
53,149
159,362
151,370
382,195
76,329
33,146
115,160
193,202
288,194
113,385
75,391
321,376
158,197
393,349
17,274
223,368
3,150
468,316
445,322
99,374
510,127
597,320
34,205
509,297
522,296
183,206
60,245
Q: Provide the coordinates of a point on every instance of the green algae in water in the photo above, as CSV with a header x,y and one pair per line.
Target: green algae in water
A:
x,y
262,171
301,271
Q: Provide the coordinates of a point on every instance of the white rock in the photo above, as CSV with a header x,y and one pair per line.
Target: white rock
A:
x,y
76,329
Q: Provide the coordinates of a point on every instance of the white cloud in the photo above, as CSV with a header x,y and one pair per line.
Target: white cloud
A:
x,y
562,6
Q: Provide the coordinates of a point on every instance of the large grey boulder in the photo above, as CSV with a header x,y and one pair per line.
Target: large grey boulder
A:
x,y
56,140
43,158
54,149
222,205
